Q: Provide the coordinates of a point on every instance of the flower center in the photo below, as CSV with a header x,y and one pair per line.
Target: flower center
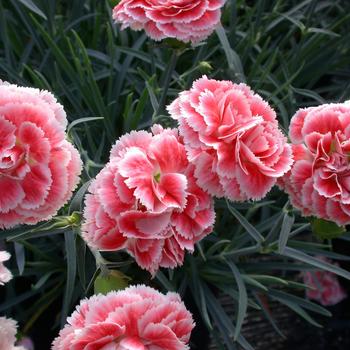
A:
x,y
11,160
156,177
336,160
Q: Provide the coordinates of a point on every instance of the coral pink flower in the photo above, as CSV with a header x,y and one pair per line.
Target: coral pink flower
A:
x,y
319,181
185,20
39,168
232,137
146,201
137,318
326,288
8,330
5,274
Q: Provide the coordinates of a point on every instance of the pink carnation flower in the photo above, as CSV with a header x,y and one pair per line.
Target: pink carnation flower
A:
x,y
319,181
185,20
137,318
232,137
8,330
146,201
39,168
5,274
326,288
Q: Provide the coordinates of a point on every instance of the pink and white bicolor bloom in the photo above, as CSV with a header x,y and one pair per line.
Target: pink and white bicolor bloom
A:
x,y
325,285
39,168
8,330
232,137
5,274
137,318
319,181
146,201
185,20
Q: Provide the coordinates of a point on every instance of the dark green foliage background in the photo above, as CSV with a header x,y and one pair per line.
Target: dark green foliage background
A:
x,y
293,53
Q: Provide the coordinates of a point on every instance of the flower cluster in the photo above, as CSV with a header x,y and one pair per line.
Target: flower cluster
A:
x,y
39,168
146,201
185,20
232,138
138,318
319,181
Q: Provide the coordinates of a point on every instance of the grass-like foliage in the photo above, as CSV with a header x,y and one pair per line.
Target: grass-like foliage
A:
x,y
293,53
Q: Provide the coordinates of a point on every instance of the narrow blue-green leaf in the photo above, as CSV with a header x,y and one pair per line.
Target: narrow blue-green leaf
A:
x,y
69,238
233,59
287,224
42,280
16,300
153,97
267,313
82,120
222,319
295,254
81,260
243,251
32,7
308,93
307,304
20,257
244,222
300,311
198,290
323,31
253,282
164,281
77,201
228,289
267,279
242,299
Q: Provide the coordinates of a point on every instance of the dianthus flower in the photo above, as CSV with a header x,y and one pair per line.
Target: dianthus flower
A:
x,y
232,137
146,201
319,181
137,318
185,20
8,330
39,168
324,286
5,274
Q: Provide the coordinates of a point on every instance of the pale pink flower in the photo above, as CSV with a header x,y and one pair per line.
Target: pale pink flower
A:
x,y
5,274
185,20
319,181
232,137
326,288
8,330
146,201
137,318
26,343
39,168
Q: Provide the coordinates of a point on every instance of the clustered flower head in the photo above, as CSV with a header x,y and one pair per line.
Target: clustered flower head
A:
x,y
232,138
5,274
39,168
319,181
146,201
185,20
8,330
137,318
324,286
